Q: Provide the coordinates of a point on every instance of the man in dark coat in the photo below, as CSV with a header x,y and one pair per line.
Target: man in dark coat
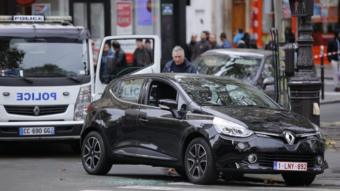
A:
x,y
179,64
141,55
334,58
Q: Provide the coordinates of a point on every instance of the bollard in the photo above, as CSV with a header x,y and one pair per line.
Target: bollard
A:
x,y
322,73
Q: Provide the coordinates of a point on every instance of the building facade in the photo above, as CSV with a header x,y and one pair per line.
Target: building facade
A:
x,y
113,17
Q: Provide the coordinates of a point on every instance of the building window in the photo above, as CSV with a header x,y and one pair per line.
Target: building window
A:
x,y
135,17
44,7
80,14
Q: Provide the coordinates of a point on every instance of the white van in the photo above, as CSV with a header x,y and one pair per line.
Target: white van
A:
x,y
47,75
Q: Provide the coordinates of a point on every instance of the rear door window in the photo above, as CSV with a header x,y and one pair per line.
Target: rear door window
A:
x,y
130,89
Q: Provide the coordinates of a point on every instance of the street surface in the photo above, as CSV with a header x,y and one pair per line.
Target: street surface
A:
x,y
55,167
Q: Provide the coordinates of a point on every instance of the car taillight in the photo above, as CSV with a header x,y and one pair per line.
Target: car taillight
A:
x,y
83,100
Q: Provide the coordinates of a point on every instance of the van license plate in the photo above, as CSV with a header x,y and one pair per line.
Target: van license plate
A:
x,y
290,166
24,131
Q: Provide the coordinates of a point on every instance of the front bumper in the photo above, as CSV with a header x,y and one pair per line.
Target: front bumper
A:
x,y
63,130
231,154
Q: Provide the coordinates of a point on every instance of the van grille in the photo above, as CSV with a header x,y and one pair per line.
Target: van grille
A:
x,y
34,110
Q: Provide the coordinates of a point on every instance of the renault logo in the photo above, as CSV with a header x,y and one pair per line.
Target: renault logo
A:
x,y
290,138
36,111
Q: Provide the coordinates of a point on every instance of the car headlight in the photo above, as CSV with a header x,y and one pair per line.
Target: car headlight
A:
x,y
230,128
317,129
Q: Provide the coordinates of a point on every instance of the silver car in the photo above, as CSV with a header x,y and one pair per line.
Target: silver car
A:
x,y
253,66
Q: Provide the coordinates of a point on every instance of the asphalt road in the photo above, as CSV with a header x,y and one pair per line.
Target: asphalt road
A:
x,y
55,167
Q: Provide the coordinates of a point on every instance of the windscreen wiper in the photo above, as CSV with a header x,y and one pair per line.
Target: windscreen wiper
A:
x,y
21,78
26,80
74,78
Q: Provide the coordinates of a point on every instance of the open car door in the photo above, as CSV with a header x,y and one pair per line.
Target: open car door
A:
x,y
130,54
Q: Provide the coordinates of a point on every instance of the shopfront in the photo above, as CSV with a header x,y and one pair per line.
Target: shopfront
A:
x,y
101,17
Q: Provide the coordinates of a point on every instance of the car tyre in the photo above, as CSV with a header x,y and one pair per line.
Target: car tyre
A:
x,y
199,162
298,179
94,155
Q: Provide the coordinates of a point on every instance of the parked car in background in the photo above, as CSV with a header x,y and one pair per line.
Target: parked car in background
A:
x,y
253,66
200,125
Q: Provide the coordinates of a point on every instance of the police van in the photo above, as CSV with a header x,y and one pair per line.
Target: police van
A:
x,y
47,75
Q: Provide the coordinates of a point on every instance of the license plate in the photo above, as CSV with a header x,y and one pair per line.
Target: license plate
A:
x,y
290,166
24,131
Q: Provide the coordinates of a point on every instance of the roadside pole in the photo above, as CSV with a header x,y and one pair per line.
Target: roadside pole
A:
x,y
322,72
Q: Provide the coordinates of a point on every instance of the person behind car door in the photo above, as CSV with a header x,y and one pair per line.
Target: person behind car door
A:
x,y
141,55
106,63
179,64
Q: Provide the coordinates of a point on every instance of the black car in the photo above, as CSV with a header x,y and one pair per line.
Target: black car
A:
x,y
203,126
252,66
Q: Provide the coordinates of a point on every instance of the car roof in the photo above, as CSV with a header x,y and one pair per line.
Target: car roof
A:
x,y
240,52
175,76
29,30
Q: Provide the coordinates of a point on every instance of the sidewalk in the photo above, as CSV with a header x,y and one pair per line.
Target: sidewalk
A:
x,y
330,95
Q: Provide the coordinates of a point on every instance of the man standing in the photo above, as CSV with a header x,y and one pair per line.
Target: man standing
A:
x,y
203,44
238,36
119,55
106,64
179,64
141,55
225,41
334,58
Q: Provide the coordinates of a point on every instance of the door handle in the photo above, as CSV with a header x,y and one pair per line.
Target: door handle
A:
x,y
143,120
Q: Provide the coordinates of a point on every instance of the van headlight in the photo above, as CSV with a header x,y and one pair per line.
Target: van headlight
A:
x,y
230,128
83,100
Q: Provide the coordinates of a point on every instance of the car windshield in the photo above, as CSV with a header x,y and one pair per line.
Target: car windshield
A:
x,y
238,67
43,57
223,92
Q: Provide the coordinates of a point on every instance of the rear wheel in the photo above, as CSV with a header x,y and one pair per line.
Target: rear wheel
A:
x,y
199,163
298,179
94,155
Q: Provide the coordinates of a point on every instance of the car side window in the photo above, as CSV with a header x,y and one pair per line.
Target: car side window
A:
x,y
268,70
160,90
130,89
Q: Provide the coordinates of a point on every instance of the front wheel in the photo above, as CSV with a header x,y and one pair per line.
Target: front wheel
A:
x,y
199,163
94,154
298,179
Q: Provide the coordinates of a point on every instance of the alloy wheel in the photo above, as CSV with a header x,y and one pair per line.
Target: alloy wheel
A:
x,y
92,153
197,160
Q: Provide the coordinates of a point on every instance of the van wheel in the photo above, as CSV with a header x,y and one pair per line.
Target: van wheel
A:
x,y
94,155
199,163
298,179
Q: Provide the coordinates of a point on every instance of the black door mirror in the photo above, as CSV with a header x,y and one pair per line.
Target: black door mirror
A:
x,y
170,105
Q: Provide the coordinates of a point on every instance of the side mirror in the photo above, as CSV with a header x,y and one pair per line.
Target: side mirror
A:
x,y
167,104
269,81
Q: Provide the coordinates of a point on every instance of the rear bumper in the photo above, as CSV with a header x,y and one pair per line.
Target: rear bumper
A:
x,y
63,131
